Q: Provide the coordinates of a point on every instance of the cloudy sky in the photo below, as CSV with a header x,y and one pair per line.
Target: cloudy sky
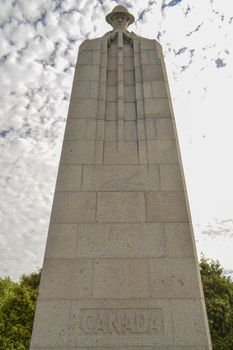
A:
x,y
39,41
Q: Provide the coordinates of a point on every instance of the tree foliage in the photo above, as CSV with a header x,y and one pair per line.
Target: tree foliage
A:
x,y
17,308
218,290
18,303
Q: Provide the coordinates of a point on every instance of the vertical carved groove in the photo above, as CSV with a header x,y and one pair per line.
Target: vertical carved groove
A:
x,y
120,88
140,114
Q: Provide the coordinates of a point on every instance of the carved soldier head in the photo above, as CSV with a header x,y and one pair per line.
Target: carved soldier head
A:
x,y
120,18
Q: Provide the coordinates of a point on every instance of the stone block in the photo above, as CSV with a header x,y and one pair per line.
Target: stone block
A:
x,y
138,75
189,324
51,318
129,78
130,110
145,57
102,91
94,89
99,151
120,240
130,130
78,152
171,179
147,89
151,72
69,178
137,59
162,151
158,89
91,129
128,324
83,108
159,106
127,51
120,153
140,109
100,130
80,89
103,75
61,241
110,130
90,44
128,62
111,110
73,207
101,110
164,128
75,129
147,44
87,72
129,93
120,130
120,178
112,50
150,128
66,279
143,154
112,62
139,91
112,77
179,240
153,57
174,278
85,57
141,130
96,57
121,278
166,207
111,93
103,60
120,207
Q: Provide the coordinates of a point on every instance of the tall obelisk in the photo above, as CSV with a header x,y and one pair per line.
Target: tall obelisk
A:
x,y
120,268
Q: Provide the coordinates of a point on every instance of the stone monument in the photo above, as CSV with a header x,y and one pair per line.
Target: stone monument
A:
x,y
120,268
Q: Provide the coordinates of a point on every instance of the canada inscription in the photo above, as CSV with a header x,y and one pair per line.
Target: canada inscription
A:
x,y
121,321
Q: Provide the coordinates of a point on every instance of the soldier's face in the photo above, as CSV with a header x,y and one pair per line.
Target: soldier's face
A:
x,y
119,21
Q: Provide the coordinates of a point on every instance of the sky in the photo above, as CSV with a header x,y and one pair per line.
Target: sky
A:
x,y
39,42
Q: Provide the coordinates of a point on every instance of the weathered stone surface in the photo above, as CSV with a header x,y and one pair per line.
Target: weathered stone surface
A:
x,y
120,207
162,151
78,152
164,128
61,241
179,240
52,317
166,207
158,107
171,179
174,278
73,207
121,178
120,240
152,72
120,153
83,108
69,178
87,72
120,269
66,279
75,129
189,323
121,278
